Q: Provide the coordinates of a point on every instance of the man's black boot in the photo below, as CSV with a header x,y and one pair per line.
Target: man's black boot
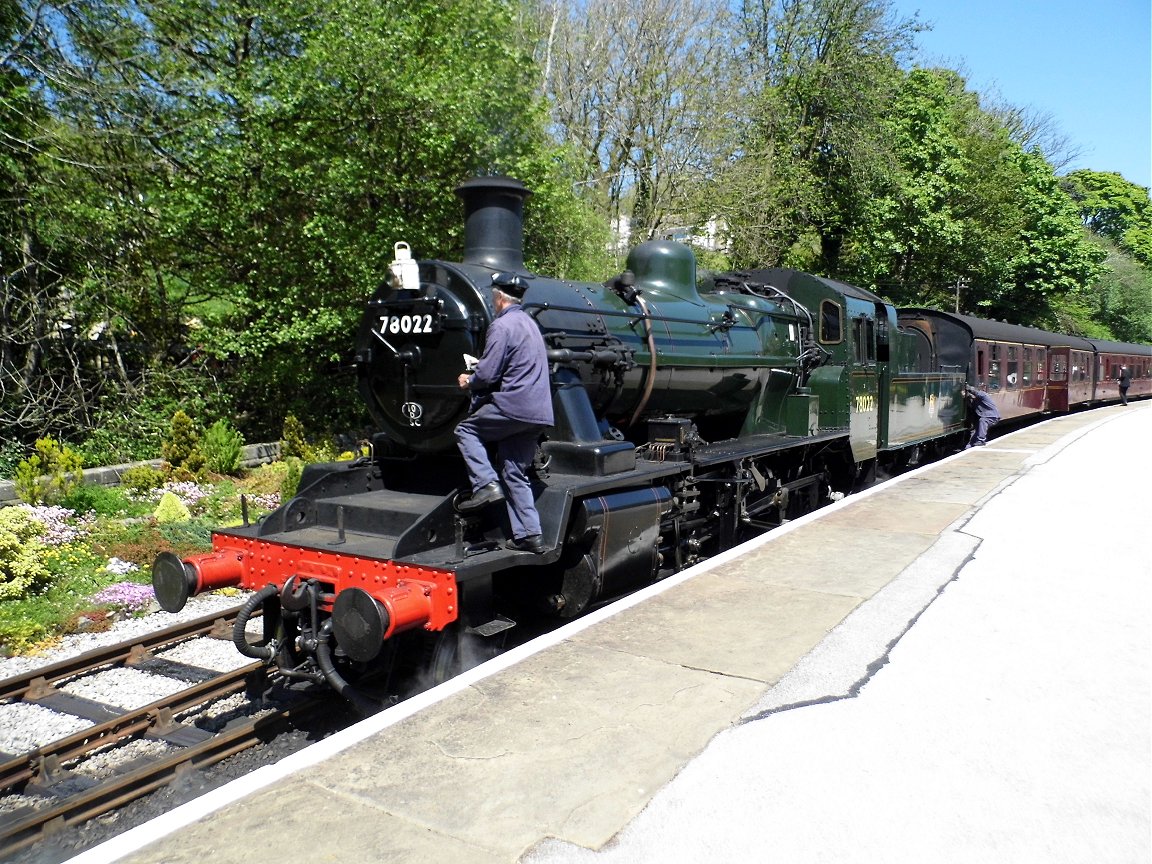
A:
x,y
489,494
533,543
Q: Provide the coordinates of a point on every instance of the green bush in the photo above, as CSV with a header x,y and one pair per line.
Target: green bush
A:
x,y
181,449
104,501
223,448
22,568
292,444
142,478
291,481
171,509
11,452
49,474
187,535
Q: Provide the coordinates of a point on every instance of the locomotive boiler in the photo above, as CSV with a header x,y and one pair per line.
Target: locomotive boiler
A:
x,y
691,413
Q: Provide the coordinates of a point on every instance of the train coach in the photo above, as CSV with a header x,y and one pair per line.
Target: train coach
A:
x,y
692,411
1025,370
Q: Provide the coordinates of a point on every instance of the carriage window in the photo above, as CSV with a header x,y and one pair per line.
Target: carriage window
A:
x,y
830,327
994,368
1059,368
1041,362
1012,379
1027,380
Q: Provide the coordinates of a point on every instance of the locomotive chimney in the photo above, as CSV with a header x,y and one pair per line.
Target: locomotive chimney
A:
x,y
494,222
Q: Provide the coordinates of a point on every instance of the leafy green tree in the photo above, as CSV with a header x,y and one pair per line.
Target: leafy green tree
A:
x,y
973,222
233,177
948,215
823,73
1117,304
1114,208
1052,255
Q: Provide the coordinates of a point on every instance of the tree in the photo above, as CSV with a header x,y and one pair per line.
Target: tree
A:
x,y
1114,208
234,176
1052,256
947,216
823,73
1115,305
639,89
972,219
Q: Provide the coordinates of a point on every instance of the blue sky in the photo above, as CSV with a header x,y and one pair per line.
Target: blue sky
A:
x,y
1086,65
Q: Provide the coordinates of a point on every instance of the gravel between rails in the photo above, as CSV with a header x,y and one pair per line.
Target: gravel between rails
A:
x,y
23,727
79,643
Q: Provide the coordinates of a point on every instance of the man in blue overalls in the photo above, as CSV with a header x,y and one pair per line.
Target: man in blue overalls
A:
x,y
511,405
987,415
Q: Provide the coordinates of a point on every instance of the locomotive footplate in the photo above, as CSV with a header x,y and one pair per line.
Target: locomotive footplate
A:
x,y
721,452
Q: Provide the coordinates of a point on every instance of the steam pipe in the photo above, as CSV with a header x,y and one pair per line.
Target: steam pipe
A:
x,y
264,653
335,680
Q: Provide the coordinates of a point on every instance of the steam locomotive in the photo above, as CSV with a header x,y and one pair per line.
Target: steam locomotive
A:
x,y
692,412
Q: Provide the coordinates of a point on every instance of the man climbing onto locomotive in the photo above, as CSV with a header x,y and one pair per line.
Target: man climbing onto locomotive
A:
x,y
987,415
511,405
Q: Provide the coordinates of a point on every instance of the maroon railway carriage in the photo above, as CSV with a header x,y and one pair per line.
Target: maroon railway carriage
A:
x,y
1110,358
1026,371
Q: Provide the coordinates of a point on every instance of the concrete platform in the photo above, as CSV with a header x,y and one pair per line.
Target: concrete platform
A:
x,y
727,714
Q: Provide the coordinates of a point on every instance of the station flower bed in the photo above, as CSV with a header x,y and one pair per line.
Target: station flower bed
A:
x,y
90,563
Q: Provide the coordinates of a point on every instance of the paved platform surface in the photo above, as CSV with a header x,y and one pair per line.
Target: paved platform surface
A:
x,y
953,666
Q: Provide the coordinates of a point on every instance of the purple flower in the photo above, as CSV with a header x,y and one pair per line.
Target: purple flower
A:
x,y
129,596
61,525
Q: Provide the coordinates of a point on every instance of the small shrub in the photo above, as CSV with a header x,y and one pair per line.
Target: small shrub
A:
x,y
22,553
102,500
141,479
292,444
191,536
49,474
181,448
141,542
291,481
181,475
171,509
223,448
21,635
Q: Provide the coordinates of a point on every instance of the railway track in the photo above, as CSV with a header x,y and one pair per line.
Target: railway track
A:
x,y
73,778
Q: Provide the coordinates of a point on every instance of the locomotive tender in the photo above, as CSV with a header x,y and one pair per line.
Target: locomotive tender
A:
x,y
690,414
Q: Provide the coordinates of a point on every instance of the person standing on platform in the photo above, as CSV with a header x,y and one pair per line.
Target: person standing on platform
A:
x,y
987,415
511,406
1125,383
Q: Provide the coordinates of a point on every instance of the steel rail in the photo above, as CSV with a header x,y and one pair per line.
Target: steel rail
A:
x,y
21,831
129,651
156,718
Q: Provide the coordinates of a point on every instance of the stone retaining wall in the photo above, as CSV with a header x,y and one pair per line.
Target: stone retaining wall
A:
x,y
109,475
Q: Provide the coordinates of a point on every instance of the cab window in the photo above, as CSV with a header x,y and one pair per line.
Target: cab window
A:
x,y
831,323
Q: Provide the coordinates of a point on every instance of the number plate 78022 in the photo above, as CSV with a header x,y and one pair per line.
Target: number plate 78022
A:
x,y
415,324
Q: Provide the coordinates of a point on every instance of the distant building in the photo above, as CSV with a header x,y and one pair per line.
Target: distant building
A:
x,y
708,236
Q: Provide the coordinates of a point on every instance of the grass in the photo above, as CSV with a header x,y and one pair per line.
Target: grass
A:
x,y
105,536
